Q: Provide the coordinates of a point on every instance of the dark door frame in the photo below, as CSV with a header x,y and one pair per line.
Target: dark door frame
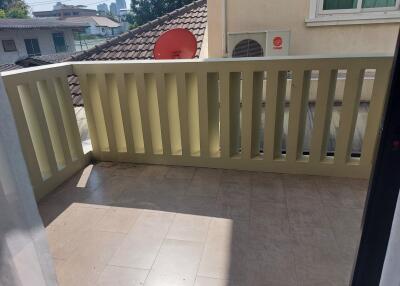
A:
x,y
383,190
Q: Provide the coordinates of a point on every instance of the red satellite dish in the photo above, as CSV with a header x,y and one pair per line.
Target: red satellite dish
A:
x,y
175,44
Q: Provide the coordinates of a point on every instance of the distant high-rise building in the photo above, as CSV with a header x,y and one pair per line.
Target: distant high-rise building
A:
x,y
121,4
102,9
113,9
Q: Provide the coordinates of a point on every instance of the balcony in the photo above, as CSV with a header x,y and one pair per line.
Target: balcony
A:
x,y
203,172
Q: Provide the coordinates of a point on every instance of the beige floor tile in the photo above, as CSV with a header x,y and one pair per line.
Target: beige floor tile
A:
x,y
143,242
206,281
165,279
216,259
203,188
122,276
89,260
208,174
128,169
78,217
189,227
154,171
270,190
234,176
178,257
118,219
63,243
180,173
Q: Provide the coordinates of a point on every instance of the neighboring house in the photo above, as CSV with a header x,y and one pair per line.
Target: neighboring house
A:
x,y
21,38
62,11
316,26
97,25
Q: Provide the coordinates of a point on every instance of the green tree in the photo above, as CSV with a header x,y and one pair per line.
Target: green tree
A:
x,y
13,9
144,11
2,14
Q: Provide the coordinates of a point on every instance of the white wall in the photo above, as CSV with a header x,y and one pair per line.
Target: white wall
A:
x,y
44,37
24,252
261,15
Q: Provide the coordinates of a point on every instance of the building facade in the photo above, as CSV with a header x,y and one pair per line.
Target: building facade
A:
x,y
62,11
18,40
313,26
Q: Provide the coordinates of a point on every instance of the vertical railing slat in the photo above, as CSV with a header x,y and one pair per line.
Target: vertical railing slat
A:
x,y
143,106
62,132
203,114
323,113
37,105
274,111
94,137
213,114
348,115
247,108
123,101
108,118
297,114
224,81
376,106
163,109
72,129
183,113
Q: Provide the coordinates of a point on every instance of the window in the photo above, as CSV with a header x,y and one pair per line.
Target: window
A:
x,y
32,47
358,5
358,11
59,42
9,46
247,48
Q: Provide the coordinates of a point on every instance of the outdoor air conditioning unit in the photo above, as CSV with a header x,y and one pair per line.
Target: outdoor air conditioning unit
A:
x,y
253,44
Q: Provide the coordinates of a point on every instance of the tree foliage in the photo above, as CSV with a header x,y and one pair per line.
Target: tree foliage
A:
x,y
144,11
13,9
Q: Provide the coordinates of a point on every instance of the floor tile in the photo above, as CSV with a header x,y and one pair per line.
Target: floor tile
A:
x,y
89,260
189,227
180,173
216,259
122,276
165,279
118,219
143,242
178,257
206,281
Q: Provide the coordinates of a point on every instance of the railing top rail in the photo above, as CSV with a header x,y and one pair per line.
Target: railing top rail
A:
x,y
249,59
34,69
61,66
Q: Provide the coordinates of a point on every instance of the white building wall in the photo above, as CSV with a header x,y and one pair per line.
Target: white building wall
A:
x,y
44,37
25,257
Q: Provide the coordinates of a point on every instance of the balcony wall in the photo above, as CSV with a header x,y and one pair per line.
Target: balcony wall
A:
x,y
197,113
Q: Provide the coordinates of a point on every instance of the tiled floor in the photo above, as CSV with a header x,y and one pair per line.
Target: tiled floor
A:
x,y
158,225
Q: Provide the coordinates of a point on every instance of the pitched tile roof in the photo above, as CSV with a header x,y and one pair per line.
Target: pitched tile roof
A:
x,y
139,43
37,23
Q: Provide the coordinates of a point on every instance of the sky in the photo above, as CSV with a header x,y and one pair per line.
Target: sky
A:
x,y
44,5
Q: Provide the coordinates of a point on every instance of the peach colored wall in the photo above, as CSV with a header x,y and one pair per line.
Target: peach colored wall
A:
x,y
260,15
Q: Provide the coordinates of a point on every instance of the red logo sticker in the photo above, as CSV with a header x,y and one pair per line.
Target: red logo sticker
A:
x,y
277,42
